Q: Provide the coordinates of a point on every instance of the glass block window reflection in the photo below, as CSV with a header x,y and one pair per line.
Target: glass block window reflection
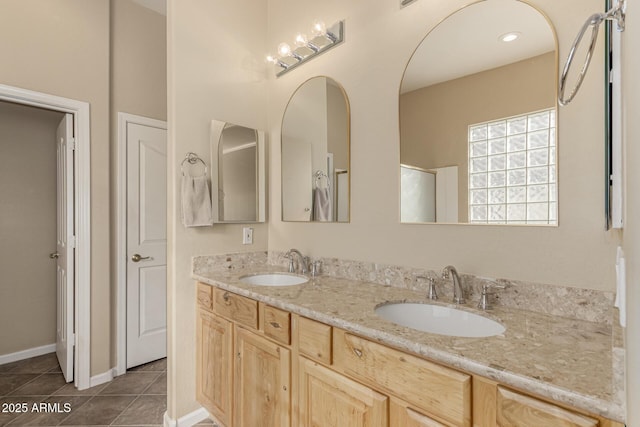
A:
x,y
512,170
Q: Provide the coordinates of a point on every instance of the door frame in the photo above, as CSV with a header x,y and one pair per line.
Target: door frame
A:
x,y
121,231
82,216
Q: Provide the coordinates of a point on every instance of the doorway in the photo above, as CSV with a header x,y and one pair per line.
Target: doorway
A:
x,y
73,293
142,246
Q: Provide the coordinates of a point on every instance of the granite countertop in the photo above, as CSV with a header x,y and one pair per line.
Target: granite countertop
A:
x,y
569,361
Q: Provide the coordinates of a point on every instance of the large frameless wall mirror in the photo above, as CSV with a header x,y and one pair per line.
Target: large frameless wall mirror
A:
x,y
478,118
315,153
237,173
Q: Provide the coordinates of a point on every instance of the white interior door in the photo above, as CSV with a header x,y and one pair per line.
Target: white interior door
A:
x,y
297,177
146,244
65,244
417,195
447,194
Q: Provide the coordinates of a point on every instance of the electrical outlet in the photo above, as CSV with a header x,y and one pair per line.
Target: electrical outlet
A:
x,y
247,236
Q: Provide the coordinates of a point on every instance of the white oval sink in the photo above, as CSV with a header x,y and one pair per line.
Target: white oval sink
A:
x,y
439,320
273,279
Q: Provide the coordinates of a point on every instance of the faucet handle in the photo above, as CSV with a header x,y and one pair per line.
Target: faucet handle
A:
x,y
492,285
292,267
316,267
431,291
484,303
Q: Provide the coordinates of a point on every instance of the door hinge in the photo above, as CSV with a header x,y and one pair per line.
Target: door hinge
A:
x,y
72,143
72,340
72,242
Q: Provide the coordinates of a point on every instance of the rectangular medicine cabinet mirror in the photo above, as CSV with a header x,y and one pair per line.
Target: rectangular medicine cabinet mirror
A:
x,y
237,173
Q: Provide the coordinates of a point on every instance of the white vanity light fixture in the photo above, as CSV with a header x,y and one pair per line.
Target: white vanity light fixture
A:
x,y
323,39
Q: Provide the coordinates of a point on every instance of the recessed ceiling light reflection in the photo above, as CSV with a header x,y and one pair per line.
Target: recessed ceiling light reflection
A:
x,y
509,37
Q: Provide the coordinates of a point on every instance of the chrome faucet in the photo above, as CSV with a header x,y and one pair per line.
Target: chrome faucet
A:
x,y
302,261
458,295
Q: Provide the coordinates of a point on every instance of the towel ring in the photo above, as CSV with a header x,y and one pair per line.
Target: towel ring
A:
x,y
319,175
193,158
616,13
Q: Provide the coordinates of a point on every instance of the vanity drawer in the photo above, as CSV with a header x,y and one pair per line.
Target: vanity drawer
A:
x,y
275,323
401,414
314,340
236,307
515,409
441,392
205,296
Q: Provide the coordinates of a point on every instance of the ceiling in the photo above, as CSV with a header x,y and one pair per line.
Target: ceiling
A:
x,y
469,42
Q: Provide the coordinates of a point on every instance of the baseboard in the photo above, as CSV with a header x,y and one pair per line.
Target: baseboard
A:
x,y
188,420
28,353
102,378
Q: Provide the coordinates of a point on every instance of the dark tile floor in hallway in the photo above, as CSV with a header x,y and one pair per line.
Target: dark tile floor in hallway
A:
x,y
138,398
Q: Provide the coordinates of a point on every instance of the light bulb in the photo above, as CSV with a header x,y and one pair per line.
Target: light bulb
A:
x,y
284,49
272,59
319,29
301,40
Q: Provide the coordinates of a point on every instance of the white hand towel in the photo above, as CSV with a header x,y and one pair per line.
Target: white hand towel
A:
x,y
621,285
196,202
321,204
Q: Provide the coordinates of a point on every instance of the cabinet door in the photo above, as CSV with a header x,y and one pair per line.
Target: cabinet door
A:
x,y
213,365
328,399
519,410
262,382
402,415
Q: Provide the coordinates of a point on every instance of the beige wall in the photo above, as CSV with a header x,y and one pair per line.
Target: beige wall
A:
x,y
138,86
370,66
216,71
631,90
61,48
27,227
434,120
138,61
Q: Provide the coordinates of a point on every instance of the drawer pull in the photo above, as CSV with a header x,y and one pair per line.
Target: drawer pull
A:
x,y
275,325
225,297
358,352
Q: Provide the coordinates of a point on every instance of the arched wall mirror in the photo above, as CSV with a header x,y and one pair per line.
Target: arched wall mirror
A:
x,y
237,173
315,153
478,118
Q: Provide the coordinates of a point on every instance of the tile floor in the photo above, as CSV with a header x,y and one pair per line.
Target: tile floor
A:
x,y
138,398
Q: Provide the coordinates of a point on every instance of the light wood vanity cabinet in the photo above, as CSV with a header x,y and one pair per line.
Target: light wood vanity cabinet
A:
x,y
214,348
262,386
262,366
242,378
326,398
